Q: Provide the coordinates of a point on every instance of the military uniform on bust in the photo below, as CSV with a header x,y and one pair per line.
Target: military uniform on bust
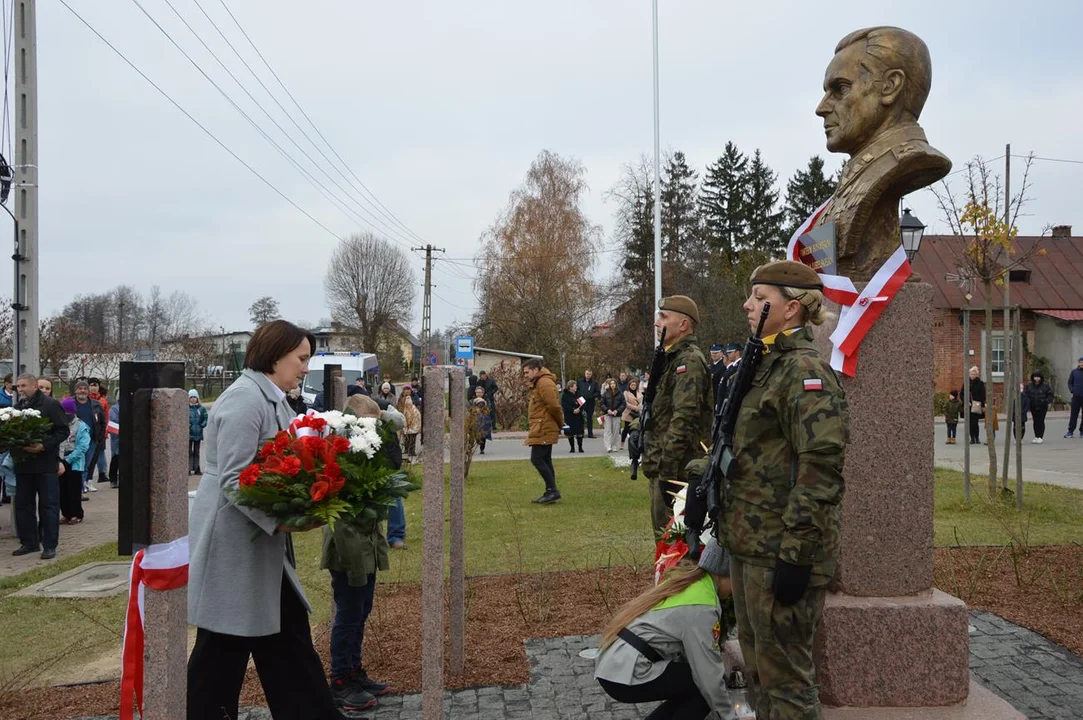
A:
x,y
681,412
780,512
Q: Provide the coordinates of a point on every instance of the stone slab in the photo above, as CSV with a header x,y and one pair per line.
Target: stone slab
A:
x,y
432,555
457,442
981,704
887,510
94,580
887,652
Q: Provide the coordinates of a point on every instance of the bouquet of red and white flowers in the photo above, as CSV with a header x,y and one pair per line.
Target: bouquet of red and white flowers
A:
x,y
326,467
20,429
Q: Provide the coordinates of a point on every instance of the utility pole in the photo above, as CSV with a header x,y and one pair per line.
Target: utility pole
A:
x,y
25,162
426,313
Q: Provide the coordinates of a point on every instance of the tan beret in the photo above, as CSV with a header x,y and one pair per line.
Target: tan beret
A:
x,y
787,273
682,304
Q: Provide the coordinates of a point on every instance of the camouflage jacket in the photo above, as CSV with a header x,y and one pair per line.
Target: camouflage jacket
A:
x,y
783,499
681,414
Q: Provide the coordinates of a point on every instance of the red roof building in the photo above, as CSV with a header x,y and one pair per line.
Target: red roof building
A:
x,y
1048,288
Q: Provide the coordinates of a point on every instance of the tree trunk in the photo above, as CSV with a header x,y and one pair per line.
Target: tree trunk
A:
x,y
990,407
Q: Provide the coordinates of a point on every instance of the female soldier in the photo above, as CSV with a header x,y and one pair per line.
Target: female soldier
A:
x,y
665,644
781,510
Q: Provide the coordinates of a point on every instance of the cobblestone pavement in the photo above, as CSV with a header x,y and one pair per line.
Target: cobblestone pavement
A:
x,y
1041,679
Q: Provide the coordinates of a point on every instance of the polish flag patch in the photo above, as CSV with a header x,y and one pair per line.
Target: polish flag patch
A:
x,y
681,369
813,384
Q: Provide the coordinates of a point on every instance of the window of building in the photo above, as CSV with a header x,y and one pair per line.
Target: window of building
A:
x,y
997,347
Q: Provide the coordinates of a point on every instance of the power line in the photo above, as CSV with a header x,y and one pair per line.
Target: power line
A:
x,y
198,124
348,193
341,205
1046,159
316,129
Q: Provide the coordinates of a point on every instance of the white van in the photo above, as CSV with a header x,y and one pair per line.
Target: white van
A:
x,y
354,365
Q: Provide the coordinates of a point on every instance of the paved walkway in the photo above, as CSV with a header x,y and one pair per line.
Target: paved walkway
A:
x,y
1040,678
99,526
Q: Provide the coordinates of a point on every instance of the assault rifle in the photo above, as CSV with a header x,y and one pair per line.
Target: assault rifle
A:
x,y
703,497
658,366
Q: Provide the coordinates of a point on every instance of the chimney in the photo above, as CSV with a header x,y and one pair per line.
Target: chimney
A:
x,y
1062,231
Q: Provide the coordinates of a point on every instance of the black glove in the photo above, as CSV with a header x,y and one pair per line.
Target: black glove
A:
x,y
790,582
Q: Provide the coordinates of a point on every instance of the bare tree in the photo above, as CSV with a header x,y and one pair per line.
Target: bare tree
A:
x,y
535,264
370,284
989,254
60,339
264,310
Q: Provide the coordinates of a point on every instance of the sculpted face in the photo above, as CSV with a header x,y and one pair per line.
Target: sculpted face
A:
x,y
857,102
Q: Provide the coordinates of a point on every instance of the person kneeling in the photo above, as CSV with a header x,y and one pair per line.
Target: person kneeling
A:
x,y
666,644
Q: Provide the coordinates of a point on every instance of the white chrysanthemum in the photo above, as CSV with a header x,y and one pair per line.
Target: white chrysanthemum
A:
x,y
29,412
360,444
335,419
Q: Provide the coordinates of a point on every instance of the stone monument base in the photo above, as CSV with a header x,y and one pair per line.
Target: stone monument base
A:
x,y
981,704
893,651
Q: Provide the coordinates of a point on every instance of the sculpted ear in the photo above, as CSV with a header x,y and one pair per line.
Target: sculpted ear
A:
x,y
891,86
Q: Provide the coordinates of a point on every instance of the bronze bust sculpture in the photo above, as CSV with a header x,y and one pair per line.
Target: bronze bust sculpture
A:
x,y
874,90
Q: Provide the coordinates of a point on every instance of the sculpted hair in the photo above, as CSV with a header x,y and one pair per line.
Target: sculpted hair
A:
x,y
892,47
273,341
812,304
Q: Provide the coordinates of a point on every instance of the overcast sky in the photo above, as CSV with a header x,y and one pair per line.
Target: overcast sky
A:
x,y
440,107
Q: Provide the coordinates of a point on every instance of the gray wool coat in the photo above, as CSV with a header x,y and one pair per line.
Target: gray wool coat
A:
x,y
235,580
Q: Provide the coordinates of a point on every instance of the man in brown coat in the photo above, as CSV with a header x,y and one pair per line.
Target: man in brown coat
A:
x,y
545,418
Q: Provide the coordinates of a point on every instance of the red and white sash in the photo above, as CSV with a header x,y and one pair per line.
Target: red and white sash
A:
x,y
159,567
859,310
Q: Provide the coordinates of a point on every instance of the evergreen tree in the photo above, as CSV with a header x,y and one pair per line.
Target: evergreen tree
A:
x,y
722,201
763,216
679,219
805,192
638,260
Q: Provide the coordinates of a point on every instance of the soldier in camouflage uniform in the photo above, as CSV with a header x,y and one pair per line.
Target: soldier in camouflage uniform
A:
x,y
780,517
681,413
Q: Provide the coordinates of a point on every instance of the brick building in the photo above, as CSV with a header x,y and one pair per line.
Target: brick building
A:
x,y
1048,289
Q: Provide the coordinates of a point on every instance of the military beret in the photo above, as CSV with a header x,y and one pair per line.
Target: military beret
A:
x,y
734,347
682,304
716,348
787,273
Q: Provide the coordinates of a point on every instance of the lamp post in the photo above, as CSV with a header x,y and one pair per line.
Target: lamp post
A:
x,y
912,231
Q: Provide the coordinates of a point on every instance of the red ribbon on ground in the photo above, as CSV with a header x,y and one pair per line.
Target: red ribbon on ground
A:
x,y
159,567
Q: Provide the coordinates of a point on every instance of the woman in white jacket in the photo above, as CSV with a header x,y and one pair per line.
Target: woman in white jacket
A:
x,y
666,644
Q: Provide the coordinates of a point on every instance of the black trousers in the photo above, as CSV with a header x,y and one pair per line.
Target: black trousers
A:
x,y
588,416
37,507
675,686
1039,420
289,670
951,429
1077,405
114,469
193,455
541,457
71,494
975,434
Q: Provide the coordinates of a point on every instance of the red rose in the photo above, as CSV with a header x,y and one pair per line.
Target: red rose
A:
x,y
340,444
332,470
249,475
282,440
290,466
272,464
267,450
319,490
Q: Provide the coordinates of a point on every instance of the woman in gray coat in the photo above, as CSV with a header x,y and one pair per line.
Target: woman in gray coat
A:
x,y
243,593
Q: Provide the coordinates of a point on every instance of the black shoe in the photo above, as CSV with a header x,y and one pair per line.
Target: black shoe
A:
x,y
550,496
361,679
24,550
634,476
48,553
102,477
580,448
113,485
349,696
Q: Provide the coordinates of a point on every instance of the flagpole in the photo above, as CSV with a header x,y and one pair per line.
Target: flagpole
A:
x,y
657,173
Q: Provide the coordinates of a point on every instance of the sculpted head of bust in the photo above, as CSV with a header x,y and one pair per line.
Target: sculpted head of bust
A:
x,y
878,79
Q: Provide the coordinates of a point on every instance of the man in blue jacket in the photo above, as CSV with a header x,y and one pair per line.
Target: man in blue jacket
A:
x,y
1075,386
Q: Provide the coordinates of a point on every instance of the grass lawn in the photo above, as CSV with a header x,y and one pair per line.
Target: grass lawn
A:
x,y
602,521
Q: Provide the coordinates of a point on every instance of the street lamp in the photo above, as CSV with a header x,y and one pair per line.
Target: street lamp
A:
x,y
912,231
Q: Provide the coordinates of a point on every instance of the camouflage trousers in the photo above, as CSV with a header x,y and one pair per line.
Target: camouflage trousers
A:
x,y
776,643
661,504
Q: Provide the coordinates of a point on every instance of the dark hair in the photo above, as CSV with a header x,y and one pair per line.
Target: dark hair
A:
x,y
8,378
532,363
94,381
273,341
